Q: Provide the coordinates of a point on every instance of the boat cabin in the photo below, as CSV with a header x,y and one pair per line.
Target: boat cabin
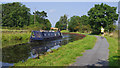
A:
x,y
37,35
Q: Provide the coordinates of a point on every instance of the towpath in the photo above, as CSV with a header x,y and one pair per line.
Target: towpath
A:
x,y
98,56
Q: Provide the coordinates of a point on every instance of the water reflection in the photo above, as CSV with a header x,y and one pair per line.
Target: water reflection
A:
x,y
14,54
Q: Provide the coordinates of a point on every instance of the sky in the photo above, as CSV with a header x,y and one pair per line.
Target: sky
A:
x,y
59,0
57,9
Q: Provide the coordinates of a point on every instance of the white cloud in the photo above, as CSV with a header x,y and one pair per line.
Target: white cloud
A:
x,y
52,10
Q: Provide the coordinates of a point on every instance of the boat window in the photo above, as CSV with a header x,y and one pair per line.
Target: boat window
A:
x,y
48,34
44,34
38,34
55,34
51,33
58,33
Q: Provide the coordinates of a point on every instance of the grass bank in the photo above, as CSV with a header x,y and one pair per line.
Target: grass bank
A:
x,y
64,55
65,31
114,57
114,52
13,38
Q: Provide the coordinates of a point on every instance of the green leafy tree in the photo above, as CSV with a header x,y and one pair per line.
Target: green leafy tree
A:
x,y
40,16
32,19
58,25
74,24
85,24
41,20
62,23
15,15
84,20
86,28
102,15
47,24
80,24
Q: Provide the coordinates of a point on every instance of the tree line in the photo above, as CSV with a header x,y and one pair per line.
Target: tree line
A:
x,y
18,15
101,15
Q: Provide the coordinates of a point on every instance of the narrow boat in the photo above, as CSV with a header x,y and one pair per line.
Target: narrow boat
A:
x,y
45,35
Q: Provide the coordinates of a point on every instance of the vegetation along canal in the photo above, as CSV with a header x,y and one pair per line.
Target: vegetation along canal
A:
x,y
22,52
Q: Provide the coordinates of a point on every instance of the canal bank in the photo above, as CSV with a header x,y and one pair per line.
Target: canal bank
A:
x,y
22,52
64,55
113,53
11,38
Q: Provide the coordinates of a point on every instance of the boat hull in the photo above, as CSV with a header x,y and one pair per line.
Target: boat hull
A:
x,y
45,39
45,36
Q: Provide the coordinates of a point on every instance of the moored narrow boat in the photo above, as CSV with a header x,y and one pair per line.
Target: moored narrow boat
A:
x,y
46,35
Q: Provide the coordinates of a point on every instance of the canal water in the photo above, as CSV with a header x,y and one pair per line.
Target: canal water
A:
x,y
22,52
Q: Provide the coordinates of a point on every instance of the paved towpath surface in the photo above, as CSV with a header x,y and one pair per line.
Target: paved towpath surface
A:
x,y
95,57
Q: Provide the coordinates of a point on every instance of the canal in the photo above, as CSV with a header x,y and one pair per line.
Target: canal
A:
x,y
22,52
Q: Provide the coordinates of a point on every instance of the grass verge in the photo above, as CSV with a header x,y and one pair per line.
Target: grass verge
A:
x,y
113,51
66,31
9,39
64,55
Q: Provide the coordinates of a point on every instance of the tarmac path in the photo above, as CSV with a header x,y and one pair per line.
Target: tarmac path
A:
x,y
98,56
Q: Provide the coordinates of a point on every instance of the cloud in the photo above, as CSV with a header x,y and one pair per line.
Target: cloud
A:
x,y
52,10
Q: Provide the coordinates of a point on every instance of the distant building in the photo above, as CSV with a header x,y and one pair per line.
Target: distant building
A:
x,y
54,28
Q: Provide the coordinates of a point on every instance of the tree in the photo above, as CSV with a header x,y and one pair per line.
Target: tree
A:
x,y
41,19
31,19
80,24
58,25
40,16
102,15
62,23
86,28
47,24
85,24
74,24
15,15
84,20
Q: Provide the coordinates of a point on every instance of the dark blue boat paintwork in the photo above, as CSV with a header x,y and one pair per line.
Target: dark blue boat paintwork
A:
x,y
40,36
